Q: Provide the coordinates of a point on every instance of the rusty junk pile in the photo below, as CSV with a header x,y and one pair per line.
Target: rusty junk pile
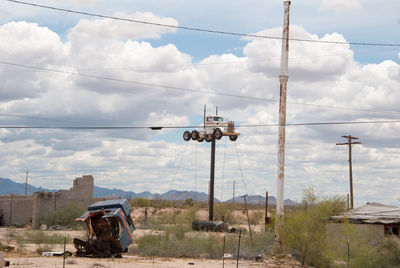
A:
x,y
109,229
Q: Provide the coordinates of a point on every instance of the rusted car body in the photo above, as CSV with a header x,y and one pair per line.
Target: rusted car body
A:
x,y
109,229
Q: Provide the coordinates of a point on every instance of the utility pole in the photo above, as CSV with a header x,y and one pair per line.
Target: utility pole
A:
x,y
266,212
283,78
26,182
212,172
248,219
233,196
350,143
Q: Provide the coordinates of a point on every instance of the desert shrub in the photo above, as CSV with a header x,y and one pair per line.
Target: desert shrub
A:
x,y
390,251
10,235
175,216
140,202
188,202
64,217
366,248
158,203
187,216
40,237
178,241
305,229
43,240
20,241
256,216
225,212
43,248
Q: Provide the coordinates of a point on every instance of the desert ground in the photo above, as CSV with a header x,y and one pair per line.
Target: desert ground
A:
x,y
26,256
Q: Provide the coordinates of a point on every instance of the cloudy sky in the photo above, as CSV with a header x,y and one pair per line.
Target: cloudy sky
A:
x,y
53,66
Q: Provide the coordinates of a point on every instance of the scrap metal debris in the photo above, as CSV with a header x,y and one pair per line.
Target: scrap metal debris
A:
x,y
212,226
109,229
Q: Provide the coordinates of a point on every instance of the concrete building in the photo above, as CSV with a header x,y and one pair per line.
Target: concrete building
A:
x,y
22,210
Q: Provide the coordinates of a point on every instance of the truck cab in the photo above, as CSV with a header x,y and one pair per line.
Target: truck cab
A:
x,y
109,229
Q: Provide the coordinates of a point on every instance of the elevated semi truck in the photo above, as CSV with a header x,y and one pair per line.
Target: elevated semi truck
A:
x,y
214,127
109,229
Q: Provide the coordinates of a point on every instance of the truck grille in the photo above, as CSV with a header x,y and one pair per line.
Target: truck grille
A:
x,y
231,126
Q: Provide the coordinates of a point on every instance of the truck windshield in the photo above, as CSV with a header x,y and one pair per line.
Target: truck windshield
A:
x,y
215,118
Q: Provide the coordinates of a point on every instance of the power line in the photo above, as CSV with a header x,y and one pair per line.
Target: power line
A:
x,y
196,127
191,90
201,29
134,82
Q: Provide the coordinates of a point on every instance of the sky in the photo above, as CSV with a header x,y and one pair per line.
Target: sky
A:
x,y
327,83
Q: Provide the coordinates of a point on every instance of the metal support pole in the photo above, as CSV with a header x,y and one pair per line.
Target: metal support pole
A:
x,y
248,219
223,252
238,249
65,242
212,172
11,209
26,183
233,196
283,78
266,211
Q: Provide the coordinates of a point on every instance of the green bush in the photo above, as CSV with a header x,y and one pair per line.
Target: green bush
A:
x,y
64,217
305,229
140,202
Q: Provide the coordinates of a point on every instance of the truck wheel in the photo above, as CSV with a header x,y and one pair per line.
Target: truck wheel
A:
x,y
199,139
217,133
209,138
195,135
186,135
233,137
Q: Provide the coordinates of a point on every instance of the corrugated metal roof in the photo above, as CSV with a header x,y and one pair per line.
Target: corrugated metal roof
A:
x,y
371,213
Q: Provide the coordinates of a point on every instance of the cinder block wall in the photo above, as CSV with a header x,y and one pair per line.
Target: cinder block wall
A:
x,y
21,210
80,194
16,210
43,203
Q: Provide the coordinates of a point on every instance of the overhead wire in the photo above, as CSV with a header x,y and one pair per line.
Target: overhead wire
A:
x,y
275,100
197,126
200,29
240,169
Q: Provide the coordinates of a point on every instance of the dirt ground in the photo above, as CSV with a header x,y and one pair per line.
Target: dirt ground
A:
x,y
29,258
126,261
142,262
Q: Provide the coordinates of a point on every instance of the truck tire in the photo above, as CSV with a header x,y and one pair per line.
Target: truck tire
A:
x,y
200,139
208,138
195,135
217,133
233,137
186,135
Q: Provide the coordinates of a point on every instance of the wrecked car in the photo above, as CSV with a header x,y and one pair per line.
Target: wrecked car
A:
x,y
109,229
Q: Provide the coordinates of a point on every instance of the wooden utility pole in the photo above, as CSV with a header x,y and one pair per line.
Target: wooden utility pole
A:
x,y
26,182
350,143
283,79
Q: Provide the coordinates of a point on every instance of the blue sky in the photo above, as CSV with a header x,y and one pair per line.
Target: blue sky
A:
x,y
327,83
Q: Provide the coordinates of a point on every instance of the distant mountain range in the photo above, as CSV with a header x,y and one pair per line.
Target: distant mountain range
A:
x,y
8,186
